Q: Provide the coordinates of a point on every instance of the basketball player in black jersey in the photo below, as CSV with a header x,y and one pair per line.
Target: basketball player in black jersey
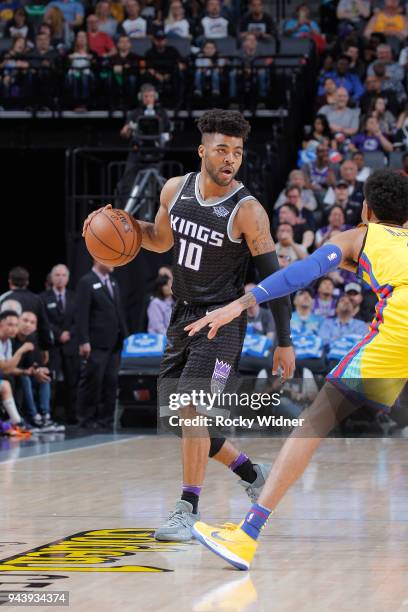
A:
x,y
214,225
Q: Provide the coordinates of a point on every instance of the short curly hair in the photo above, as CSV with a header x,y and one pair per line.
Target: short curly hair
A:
x,y
227,122
386,192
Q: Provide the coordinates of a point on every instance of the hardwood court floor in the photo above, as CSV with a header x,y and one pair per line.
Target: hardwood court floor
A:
x,y
338,542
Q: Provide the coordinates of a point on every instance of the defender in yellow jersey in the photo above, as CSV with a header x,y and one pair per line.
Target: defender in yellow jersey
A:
x,y
376,369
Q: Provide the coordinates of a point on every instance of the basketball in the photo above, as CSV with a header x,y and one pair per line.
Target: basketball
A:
x,y
113,237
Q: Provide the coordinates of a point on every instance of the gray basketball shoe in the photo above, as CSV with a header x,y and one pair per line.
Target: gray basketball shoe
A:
x,y
179,525
253,490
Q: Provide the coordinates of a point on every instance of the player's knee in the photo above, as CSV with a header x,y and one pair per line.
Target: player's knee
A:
x,y
167,426
215,445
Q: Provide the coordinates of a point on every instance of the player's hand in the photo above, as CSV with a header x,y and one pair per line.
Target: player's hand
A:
x,y
91,216
284,358
216,319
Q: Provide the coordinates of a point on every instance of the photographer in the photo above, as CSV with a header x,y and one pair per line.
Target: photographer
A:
x,y
147,128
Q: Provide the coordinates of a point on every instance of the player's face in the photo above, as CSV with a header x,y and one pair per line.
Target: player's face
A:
x,y
222,157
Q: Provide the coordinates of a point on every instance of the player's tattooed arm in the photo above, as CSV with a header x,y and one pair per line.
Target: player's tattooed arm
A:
x,y
252,222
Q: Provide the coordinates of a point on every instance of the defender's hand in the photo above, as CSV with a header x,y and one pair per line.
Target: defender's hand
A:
x,y
216,319
91,216
284,357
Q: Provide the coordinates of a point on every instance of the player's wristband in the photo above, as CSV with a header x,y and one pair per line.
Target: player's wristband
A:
x,y
299,274
281,309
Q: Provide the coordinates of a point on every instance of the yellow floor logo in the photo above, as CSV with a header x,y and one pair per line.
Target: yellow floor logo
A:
x,y
91,551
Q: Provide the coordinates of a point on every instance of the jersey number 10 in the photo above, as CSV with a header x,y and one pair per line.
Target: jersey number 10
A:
x,y
190,254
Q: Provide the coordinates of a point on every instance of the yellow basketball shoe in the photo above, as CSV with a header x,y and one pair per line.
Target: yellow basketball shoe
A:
x,y
228,542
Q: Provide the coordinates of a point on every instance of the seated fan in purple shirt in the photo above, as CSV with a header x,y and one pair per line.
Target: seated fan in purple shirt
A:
x,y
160,307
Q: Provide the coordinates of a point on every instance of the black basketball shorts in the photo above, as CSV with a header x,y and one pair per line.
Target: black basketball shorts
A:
x,y
198,363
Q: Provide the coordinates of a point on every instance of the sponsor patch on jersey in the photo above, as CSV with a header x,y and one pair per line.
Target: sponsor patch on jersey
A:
x,y
220,211
220,375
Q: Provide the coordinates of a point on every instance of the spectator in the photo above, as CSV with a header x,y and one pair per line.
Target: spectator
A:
x,y
134,25
7,9
61,34
336,223
320,134
257,21
324,303
249,51
13,64
344,78
18,280
342,324
388,21
9,365
297,179
342,120
176,24
125,66
304,320
371,139
99,43
320,173
363,171
43,56
353,12
72,10
348,175
363,310
328,97
163,62
357,66
80,77
101,330
213,24
160,307
35,381
19,26
288,213
401,136
393,70
294,197
208,70
341,197
60,305
106,23
301,25
372,91
286,247
117,10
385,118
260,320
390,85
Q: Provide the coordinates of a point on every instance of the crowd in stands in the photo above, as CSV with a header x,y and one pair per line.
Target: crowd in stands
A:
x,y
75,49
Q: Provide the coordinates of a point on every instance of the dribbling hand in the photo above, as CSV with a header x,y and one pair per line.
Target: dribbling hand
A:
x,y
91,216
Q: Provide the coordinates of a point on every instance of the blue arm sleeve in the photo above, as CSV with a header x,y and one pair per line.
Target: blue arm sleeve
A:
x,y
299,274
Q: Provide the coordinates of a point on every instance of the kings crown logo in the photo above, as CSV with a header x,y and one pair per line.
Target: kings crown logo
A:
x,y
220,211
220,375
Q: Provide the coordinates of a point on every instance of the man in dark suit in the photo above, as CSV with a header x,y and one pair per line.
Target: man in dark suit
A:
x,y
64,356
101,331
19,280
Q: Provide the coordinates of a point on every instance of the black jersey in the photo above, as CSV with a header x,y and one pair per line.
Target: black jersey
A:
x,y
209,265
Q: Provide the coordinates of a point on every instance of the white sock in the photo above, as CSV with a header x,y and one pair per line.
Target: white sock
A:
x,y
11,409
